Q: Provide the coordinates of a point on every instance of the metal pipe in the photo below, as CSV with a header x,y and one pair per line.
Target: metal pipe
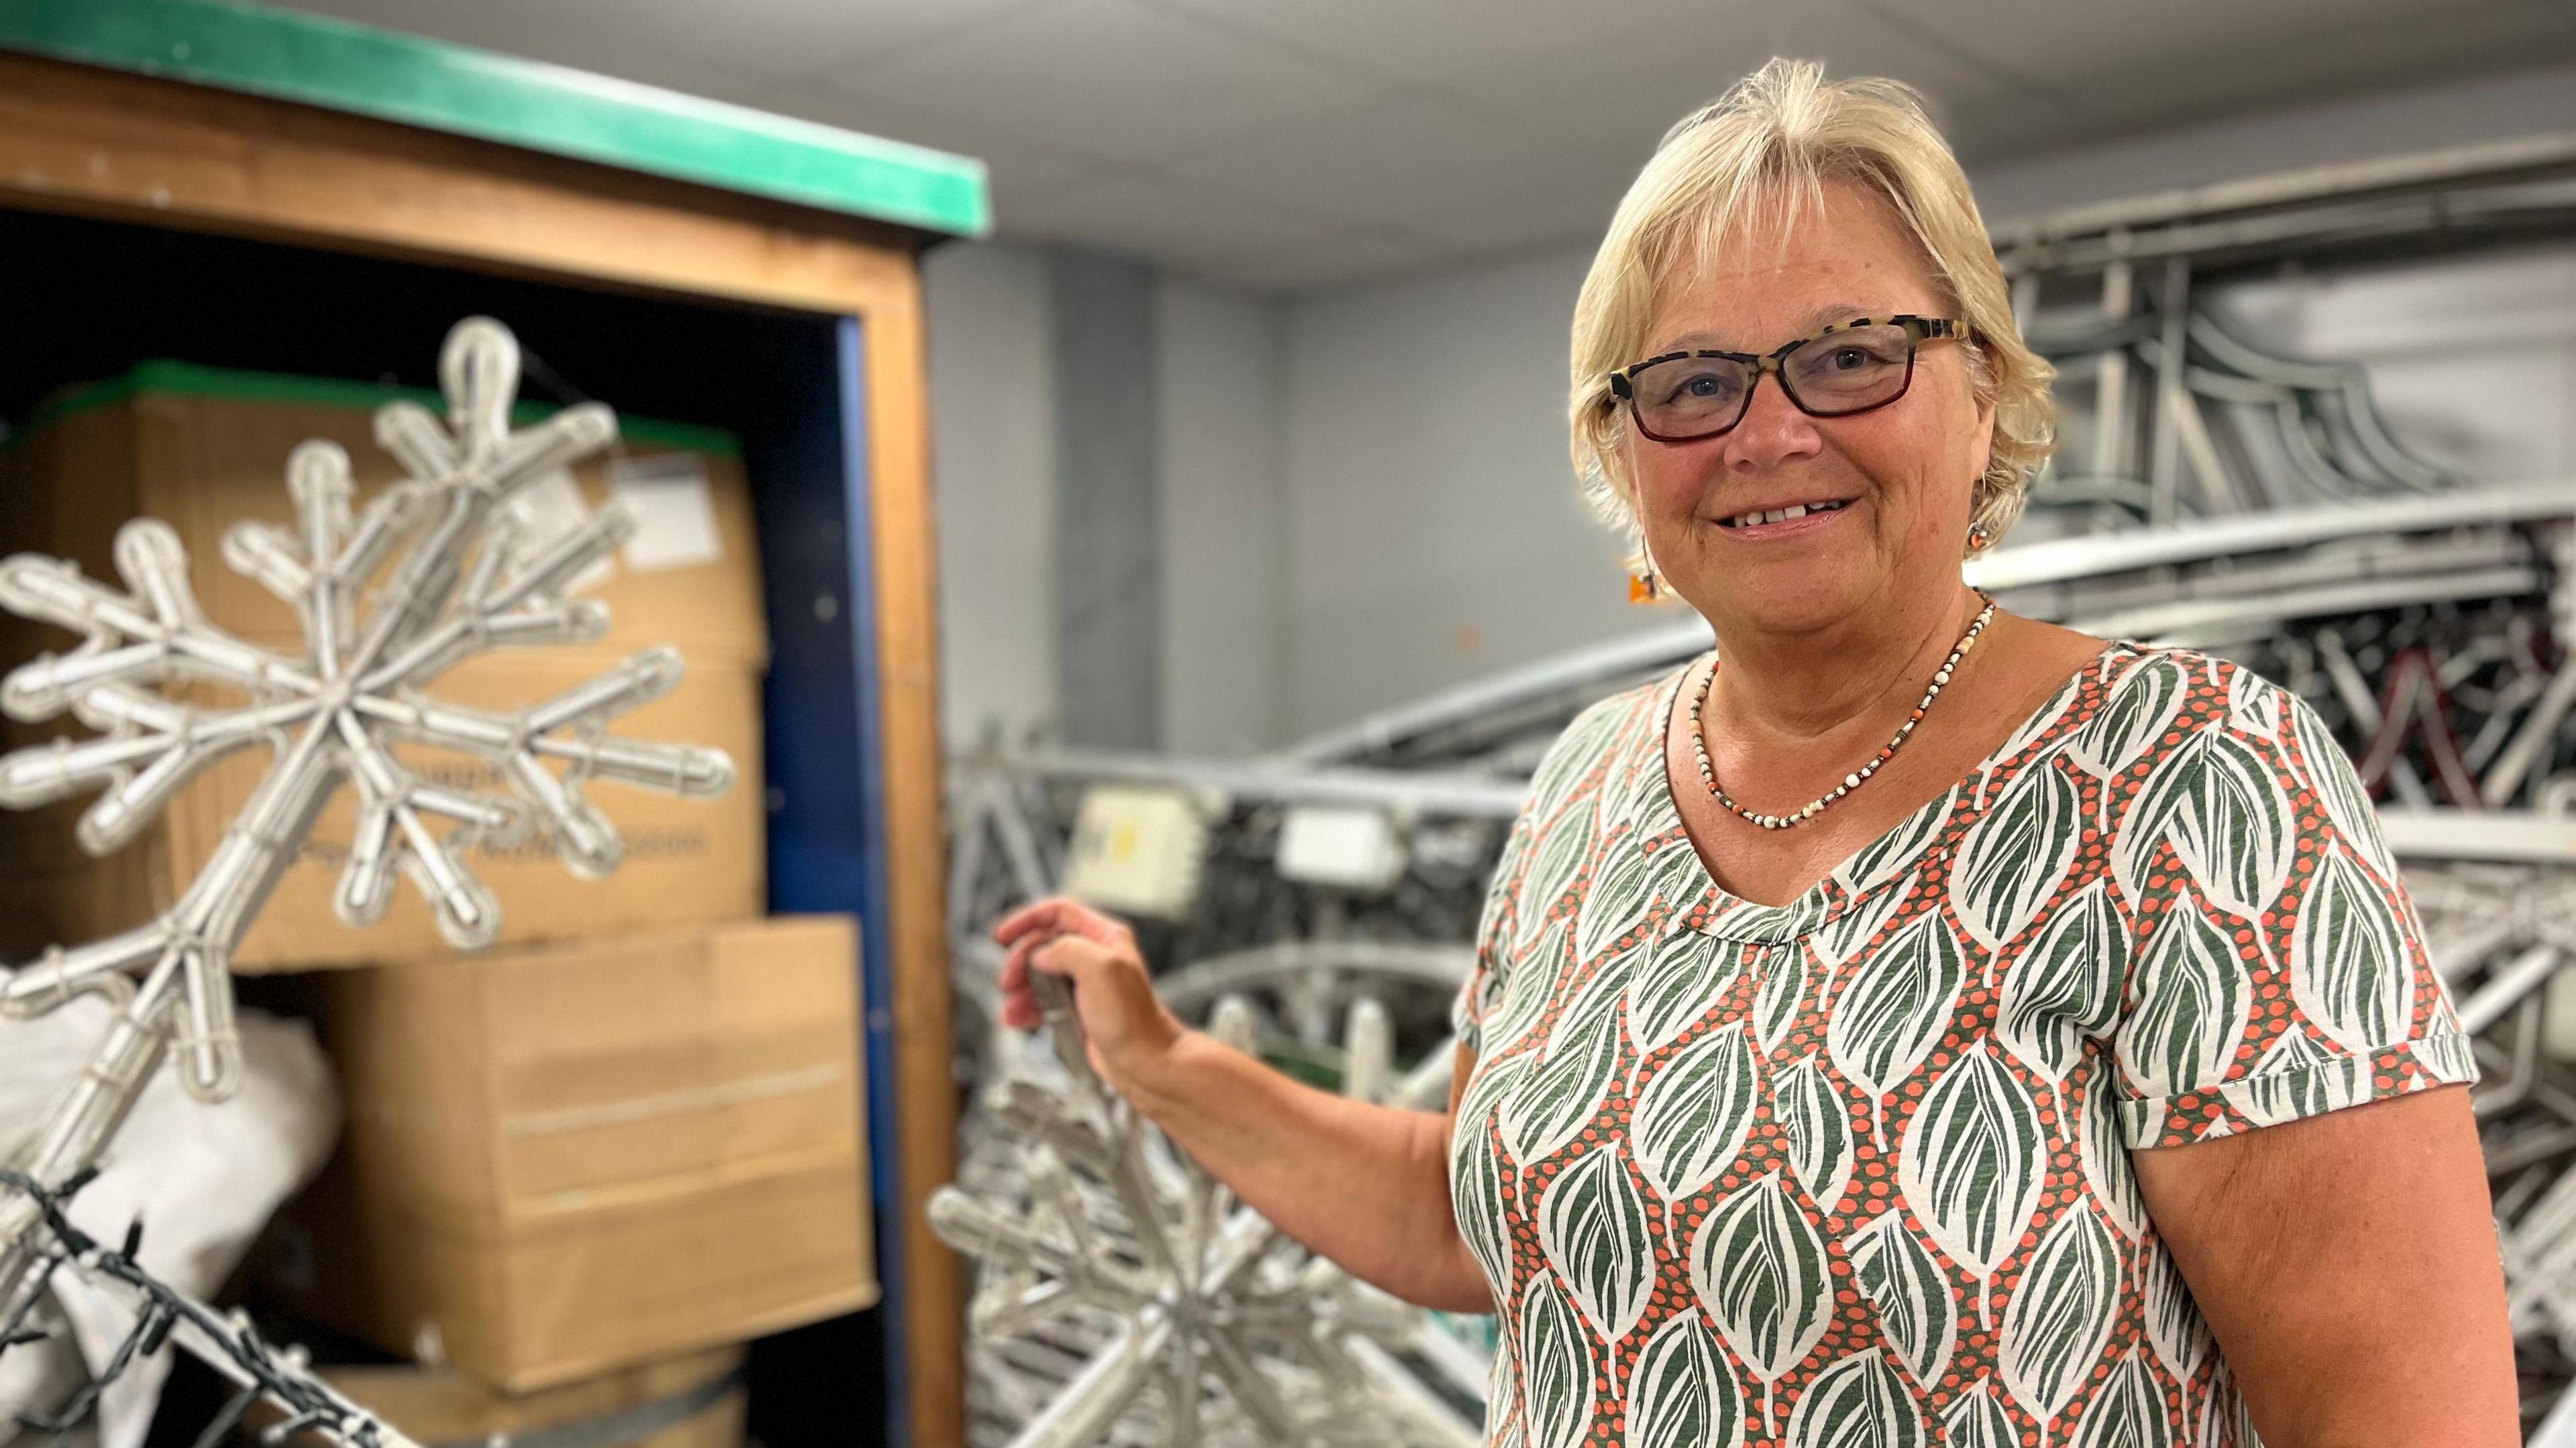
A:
x,y
2450,165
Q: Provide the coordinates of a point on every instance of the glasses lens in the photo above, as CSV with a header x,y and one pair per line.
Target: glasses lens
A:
x,y
1689,396
1847,371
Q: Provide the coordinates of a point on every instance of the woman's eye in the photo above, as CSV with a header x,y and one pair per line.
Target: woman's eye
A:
x,y
1850,357
1702,387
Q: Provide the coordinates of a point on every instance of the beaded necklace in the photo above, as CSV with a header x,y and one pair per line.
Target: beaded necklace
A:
x,y
1853,780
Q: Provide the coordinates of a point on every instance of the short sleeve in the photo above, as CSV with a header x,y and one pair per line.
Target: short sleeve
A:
x,y
2277,967
1485,979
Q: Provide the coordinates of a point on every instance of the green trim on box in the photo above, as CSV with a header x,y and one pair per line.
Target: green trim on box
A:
x,y
442,87
189,379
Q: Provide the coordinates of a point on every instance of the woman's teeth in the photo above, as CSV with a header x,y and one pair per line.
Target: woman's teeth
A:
x,y
1780,515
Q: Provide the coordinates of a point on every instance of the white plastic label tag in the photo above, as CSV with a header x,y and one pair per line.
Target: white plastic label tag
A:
x,y
675,516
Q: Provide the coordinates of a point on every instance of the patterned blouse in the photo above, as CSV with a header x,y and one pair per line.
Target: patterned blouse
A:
x,y
1853,1172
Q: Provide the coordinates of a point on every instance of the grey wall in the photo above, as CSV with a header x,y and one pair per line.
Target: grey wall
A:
x,y
992,458
1434,530
1108,501
1110,533
1224,540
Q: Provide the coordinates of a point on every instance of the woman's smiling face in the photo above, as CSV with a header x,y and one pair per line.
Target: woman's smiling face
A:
x,y
1904,474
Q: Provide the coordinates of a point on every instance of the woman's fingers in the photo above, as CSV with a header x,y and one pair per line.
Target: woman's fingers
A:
x,y
1015,963
1072,957
1060,916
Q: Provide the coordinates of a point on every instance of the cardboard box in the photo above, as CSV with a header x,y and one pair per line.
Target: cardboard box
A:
x,y
202,449
692,1401
568,1159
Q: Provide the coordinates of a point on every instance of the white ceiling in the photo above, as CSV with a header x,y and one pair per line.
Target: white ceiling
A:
x,y
1287,144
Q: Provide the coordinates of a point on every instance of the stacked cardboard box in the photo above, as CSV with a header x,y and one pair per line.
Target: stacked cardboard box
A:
x,y
566,1159
630,1130
694,1400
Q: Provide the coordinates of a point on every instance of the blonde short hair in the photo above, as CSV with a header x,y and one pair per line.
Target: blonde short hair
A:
x,y
1744,166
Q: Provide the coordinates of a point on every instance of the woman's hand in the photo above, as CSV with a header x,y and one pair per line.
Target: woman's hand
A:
x,y
1126,1028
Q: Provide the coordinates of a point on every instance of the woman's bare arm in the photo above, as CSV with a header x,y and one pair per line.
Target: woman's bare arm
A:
x,y
1366,1186
2348,1265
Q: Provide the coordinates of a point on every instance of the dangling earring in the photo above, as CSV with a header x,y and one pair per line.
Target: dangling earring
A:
x,y
1977,540
1644,584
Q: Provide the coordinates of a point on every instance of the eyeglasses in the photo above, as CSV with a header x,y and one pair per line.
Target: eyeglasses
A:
x,y
1687,396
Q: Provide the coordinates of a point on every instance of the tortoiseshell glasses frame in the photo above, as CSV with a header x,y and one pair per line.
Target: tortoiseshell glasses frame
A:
x,y
1872,365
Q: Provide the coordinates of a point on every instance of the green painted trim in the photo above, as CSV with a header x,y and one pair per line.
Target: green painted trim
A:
x,y
552,108
189,379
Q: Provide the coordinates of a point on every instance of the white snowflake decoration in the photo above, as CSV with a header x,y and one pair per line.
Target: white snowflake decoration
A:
x,y
1207,1324
463,580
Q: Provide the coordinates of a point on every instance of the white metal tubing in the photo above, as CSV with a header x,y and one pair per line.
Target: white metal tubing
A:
x,y
2199,540
2515,837
2452,165
2111,386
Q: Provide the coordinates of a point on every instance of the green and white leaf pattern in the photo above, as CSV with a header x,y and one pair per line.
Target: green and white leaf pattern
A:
x,y
1859,1402
2128,1411
2174,1325
2039,725
1594,1008
1759,1268
1691,1116
1622,887
2061,1312
1682,1393
2192,1000
1559,858
1561,1097
1476,1191
1576,753
2065,988
2013,859
1785,969
1975,1419
2253,706
1813,1116
2219,1415
1520,1002
1679,983
2118,1004
1557,1366
2349,969
1891,1013
1593,1226
2143,701
2297,1077
2338,787
1893,853
1974,1159
2103,1155
2217,803
1845,934
1495,1077
1910,1292
1503,1402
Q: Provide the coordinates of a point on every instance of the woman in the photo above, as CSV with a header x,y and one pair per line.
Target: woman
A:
x,y
1910,1023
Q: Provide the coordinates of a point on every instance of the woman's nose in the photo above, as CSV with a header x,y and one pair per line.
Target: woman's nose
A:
x,y
1773,431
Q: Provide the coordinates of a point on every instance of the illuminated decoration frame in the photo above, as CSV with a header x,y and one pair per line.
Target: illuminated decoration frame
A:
x,y
435,570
